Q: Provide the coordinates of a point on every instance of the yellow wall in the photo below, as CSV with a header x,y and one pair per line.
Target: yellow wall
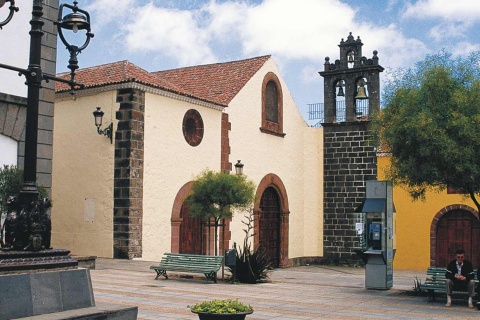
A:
x,y
413,222
82,176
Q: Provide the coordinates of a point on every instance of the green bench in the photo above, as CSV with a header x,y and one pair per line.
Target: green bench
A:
x,y
189,263
435,282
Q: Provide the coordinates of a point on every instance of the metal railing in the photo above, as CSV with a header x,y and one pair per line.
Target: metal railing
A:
x,y
316,111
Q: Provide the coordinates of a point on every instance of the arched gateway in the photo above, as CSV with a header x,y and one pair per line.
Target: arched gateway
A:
x,y
455,227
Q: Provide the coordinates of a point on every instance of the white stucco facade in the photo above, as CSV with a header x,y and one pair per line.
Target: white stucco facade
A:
x,y
84,164
8,155
170,162
295,159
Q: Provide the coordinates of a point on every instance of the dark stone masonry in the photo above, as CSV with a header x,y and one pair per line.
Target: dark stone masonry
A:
x,y
349,160
128,185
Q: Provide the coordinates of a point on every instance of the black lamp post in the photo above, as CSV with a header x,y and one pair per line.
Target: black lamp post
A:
x,y
28,198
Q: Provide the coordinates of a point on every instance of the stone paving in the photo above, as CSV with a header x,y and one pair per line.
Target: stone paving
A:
x,y
310,292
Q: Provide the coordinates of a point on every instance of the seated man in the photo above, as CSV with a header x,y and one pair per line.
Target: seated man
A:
x,y
460,275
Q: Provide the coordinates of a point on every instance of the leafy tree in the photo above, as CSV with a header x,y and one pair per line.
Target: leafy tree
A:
x,y
11,179
216,194
431,125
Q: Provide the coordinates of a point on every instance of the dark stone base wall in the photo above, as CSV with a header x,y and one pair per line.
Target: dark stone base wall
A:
x,y
349,161
128,185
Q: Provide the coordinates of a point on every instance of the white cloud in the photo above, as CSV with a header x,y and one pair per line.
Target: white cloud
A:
x,y
448,30
296,30
304,29
172,32
459,10
14,39
107,11
394,49
223,19
464,48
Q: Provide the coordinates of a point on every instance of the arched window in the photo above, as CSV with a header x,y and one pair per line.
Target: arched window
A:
x,y
271,102
272,106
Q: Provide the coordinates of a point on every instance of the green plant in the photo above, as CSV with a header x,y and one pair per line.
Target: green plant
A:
x,y
429,126
221,307
215,194
254,265
11,179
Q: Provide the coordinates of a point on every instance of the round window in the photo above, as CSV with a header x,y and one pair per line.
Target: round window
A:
x,y
192,127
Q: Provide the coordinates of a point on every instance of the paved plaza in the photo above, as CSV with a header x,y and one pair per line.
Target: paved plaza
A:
x,y
309,292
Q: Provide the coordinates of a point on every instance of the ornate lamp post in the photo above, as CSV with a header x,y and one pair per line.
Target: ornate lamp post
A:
x,y
33,225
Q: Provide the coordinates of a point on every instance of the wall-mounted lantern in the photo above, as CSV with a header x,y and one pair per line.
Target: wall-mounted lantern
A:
x,y
98,114
239,167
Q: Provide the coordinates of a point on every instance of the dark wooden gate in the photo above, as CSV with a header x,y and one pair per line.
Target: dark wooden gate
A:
x,y
269,225
190,233
458,229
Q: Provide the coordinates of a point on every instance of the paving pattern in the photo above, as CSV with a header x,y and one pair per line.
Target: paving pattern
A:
x,y
310,292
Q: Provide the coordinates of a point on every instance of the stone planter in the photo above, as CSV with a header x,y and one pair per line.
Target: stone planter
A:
x,y
222,316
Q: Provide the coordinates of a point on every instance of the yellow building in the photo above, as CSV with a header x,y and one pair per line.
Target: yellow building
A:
x,y
428,232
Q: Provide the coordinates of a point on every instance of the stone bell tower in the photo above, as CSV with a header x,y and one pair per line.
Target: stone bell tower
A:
x,y
351,95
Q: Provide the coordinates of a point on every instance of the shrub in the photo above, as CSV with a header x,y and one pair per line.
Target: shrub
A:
x,y
221,306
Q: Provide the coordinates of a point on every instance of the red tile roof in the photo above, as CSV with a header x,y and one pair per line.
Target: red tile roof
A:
x,y
114,73
215,83
219,82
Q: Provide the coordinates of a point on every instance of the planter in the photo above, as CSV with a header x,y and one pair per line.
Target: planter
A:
x,y
222,316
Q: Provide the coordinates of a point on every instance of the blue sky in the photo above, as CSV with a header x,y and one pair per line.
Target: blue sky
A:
x,y
165,34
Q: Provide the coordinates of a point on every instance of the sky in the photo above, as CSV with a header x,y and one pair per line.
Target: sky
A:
x,y
165,34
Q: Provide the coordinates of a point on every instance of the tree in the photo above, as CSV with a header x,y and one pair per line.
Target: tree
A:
x,y
431,125
11,179
216,194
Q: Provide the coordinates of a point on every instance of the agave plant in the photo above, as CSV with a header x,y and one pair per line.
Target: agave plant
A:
x,y
252,265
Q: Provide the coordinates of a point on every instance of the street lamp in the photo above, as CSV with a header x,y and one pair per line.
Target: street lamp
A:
x,y
33,231
12,9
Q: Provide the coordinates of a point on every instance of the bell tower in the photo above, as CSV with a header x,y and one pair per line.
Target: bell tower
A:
x,y
352,94
353,77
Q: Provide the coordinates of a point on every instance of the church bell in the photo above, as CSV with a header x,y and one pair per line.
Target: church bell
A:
x,y
361,92
340,89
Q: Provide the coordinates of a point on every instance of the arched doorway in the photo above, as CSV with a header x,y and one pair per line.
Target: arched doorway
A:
x,y
457,228
190,233
269,225
271,222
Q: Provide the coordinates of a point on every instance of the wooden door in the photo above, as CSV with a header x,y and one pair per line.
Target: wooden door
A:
x,y
269,225
457,229
190,233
